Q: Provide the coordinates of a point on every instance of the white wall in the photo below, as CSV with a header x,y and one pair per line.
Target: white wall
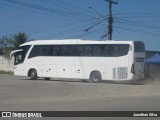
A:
x,y
6,63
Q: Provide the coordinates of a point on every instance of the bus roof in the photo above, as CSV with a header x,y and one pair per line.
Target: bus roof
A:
x,y
73,41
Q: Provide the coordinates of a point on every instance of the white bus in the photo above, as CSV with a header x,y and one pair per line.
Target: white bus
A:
x,y
80,59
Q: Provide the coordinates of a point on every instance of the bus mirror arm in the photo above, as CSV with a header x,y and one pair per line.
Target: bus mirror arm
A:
x,y
11,54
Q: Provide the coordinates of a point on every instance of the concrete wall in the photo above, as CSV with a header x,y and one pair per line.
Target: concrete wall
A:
x,y
6,63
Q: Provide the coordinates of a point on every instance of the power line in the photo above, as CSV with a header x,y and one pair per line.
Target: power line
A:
x,y
52,11
59,26
49,10
137,23
139,31
133,6
71,30
68,10
132,22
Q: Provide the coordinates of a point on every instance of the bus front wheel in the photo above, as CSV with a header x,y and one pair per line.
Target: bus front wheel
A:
x,y
95,77
33,74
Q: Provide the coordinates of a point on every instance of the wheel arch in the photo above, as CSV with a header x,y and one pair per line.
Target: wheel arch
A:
x,y
95,76
29,71
95,71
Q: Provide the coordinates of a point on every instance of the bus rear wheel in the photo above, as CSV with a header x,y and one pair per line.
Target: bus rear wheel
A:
x,y
95,77
33,74
47,78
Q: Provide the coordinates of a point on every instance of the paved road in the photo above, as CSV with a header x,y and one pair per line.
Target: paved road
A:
x,y
22,94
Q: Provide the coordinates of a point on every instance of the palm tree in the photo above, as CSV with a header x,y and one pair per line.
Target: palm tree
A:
x,y
3,44
19,39
11,42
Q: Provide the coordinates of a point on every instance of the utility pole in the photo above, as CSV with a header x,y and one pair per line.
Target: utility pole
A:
x,y
110,18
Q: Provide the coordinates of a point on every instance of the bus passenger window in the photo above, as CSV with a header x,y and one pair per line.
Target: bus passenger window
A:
x,y
103,50
79,50
96,51
88,50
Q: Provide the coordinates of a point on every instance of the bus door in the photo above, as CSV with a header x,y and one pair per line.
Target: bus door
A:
x,y
18,66
19,58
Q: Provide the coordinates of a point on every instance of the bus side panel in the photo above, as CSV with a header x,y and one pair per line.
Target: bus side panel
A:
x,y
18,69
117,68
21,69
64,71
109,72
34,63
49,70
78,72
79,69
83,66
91,64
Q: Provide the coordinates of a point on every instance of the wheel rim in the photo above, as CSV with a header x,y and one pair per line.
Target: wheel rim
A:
x,y
32,74
95,79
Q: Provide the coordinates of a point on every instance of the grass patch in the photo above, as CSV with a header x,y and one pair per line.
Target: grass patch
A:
x,y
5,72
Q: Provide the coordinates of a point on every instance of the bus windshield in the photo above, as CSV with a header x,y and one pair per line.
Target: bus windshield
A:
x,y
20,55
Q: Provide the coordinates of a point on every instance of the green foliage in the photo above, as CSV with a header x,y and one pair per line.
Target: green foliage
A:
x,y
10,42
5,72
3,42
19,39
7,51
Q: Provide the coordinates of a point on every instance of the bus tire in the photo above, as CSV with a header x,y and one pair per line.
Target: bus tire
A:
x,y
33,74
95,77
47,78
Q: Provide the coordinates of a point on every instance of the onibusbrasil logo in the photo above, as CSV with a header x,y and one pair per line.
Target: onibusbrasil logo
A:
x,y
21,114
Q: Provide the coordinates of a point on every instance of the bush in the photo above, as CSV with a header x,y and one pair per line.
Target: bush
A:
x,y
5,72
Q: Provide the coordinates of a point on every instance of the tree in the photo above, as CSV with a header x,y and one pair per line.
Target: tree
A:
x,y
18,39
3,44
11,42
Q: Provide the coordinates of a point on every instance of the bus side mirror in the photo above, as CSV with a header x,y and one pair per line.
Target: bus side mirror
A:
x,y
11,54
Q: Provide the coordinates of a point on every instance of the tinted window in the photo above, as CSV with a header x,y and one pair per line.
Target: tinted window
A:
x,y
23,52
139,46
87,50
67,50
79,50
97,50
111,50
25,49
35,52
18,58
116,50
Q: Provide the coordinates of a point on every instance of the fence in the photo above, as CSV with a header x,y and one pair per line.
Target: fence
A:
x,y
6,64
152,71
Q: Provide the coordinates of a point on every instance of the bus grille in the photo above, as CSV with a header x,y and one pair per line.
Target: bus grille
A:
x,y
121,73
114,73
